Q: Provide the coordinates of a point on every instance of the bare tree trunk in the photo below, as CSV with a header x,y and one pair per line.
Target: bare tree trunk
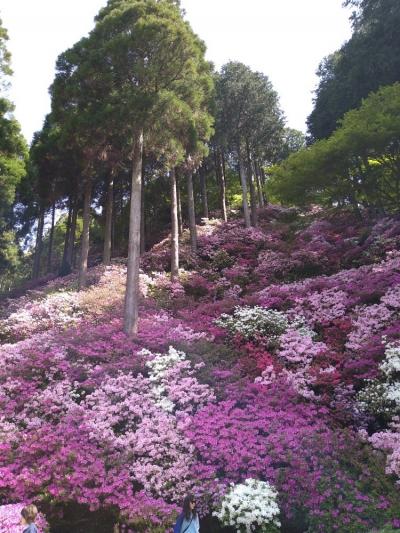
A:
x,y
179,206
253,196
191,213
174,229
63,267
39,244
85,234
131,313
203,185
108,221
243,180
259,184
71,245
220,174
142,221
263,181
51,237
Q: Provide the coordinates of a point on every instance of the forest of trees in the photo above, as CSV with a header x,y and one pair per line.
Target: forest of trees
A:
x,y
144,138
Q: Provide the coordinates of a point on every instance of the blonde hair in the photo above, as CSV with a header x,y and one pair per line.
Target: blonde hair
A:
x,y
30,513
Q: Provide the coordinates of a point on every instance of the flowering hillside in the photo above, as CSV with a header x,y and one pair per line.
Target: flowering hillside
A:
x,y
268,376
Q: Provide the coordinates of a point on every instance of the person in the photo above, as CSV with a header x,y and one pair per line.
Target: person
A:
x,y
28,517
188,520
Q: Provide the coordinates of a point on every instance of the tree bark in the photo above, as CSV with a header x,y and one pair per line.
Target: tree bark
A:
x,y
191,213
174,229
39,244
72,236
108,222
263,181
203,185
63,267
85,234
259,184
51,237
142,221
243,180
131,312
220,175
253,196
179,206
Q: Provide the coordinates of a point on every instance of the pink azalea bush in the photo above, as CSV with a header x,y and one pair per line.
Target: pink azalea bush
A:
x,y
10,519
259,363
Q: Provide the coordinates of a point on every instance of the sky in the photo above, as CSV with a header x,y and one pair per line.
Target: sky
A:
x,y
284,39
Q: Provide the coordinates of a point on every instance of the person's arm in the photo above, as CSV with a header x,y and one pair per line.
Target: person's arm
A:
x,y
197,524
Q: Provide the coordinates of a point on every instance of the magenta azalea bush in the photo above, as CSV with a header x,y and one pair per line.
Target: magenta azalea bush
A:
x,y
274,358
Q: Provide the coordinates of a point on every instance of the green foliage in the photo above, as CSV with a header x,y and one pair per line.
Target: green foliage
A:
x,y
247,109
358,165
13,156
369,60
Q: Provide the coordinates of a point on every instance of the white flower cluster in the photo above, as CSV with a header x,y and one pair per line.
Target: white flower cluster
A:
x,y
391,364
252,321
159,367
250,506
383,397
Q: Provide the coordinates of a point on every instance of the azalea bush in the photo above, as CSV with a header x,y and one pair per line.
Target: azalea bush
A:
x,y
250,506
10,519
274,358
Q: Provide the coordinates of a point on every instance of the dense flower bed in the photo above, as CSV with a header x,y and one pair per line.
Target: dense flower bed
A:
x,y
274,358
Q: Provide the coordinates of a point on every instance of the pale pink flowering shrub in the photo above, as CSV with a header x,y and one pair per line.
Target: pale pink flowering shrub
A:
x,y
389,441
10,518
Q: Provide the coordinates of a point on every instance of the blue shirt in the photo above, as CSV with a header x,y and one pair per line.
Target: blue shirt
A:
x,y
192,526
31,529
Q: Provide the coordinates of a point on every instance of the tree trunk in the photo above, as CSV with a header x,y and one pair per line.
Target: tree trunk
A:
x,y
142,221
243,181
220,175
85,234
179,206
263,181
51,238
72,236
259,184
191,213
39,244
63,267
203,185
174,229
253,196
108,221
131,313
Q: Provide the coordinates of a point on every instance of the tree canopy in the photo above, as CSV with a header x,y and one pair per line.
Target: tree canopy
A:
x,y
369,60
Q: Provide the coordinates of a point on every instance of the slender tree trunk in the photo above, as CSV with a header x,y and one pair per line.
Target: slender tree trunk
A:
x,y
131,313
203,185
39,244
108,221
259,185
63,267
51,237
219,172
191,213
263,181
243,180
179,205
174,229
253,196
142,221
85,233
71,245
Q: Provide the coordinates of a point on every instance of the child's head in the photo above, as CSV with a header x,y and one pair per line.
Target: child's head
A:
x,y
29,514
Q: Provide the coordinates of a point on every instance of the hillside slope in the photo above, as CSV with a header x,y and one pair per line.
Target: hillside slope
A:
x,y
276,357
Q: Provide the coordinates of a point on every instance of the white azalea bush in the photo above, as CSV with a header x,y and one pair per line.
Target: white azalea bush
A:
x,y
250,507
382,397
252,321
